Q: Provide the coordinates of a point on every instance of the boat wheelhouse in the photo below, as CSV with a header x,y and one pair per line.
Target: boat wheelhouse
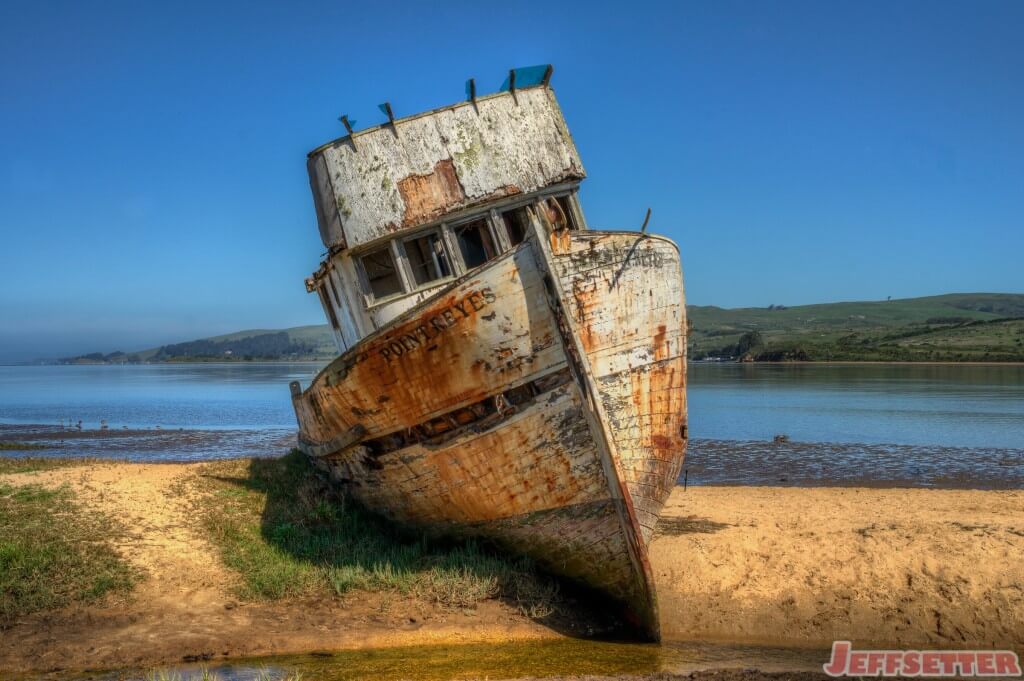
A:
x,y
407,207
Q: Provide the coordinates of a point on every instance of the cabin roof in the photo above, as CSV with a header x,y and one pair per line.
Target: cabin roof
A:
x,y
356,134
415,170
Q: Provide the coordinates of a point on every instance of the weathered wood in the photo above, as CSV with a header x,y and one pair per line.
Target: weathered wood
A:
x,y
544,242
626,296
491,330
420,168
335,445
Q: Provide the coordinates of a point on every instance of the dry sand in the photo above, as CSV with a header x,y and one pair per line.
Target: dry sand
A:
x,y
781,565
806,566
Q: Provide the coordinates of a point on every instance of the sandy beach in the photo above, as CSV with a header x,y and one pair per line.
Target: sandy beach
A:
x,y
806,566
787,566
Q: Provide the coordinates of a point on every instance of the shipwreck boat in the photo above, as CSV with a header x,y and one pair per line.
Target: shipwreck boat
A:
x,y
505,372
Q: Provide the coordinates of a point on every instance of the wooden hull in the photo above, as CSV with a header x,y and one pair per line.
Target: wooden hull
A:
x,y
539,402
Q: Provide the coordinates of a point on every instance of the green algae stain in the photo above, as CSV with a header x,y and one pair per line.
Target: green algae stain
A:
x,y
343,207
468,158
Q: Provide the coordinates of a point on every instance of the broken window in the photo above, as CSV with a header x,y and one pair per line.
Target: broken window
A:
x,y
427,258
566,206
516,224
475,243
558,211
381,273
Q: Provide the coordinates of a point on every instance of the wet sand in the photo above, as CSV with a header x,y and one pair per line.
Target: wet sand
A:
x,y
149,444
790,566
843,464
709,461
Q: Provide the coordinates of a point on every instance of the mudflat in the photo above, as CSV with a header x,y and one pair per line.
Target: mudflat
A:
x,y
792,566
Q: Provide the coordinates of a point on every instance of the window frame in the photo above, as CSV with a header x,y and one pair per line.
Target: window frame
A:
x,y
369,297
497,215
445,229
453,272
488,219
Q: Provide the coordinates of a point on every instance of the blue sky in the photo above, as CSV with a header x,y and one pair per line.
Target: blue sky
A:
x,y
153,187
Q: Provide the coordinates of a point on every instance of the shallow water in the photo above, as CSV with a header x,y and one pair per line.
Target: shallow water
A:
x,y
919,425
945,405
512,660
196,396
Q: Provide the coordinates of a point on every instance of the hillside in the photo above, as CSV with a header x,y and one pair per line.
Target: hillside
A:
x,y
954,327
296,343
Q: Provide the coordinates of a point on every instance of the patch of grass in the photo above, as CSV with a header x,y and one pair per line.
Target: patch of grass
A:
x,y
30,464
8,446
288,532
52,553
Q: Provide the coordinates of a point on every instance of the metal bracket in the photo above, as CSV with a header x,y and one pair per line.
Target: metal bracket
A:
x,y
386,108
348,128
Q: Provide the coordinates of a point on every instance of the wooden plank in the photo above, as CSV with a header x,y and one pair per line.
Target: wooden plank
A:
x,y
626,294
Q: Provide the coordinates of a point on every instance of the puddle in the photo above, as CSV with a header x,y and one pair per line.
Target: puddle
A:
x,y
498,661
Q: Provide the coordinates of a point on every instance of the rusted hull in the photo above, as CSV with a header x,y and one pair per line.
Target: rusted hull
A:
x,y
538,402
626,296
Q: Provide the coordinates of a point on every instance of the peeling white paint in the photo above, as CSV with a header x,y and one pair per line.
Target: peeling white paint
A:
x,y
394,178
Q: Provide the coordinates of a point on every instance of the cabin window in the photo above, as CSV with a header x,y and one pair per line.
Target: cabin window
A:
x,y
381,273
475,243
516,224
427,258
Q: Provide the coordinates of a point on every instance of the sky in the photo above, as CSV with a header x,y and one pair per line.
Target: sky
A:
x,y
152,155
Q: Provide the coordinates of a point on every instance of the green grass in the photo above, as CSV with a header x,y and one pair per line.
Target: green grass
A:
x,y
19,446
288,532
30,464
52,553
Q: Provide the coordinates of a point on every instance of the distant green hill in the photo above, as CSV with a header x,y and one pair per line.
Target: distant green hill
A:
x,y
954,327
297,343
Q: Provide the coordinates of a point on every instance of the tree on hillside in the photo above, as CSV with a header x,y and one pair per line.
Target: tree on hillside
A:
x,y
748,342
